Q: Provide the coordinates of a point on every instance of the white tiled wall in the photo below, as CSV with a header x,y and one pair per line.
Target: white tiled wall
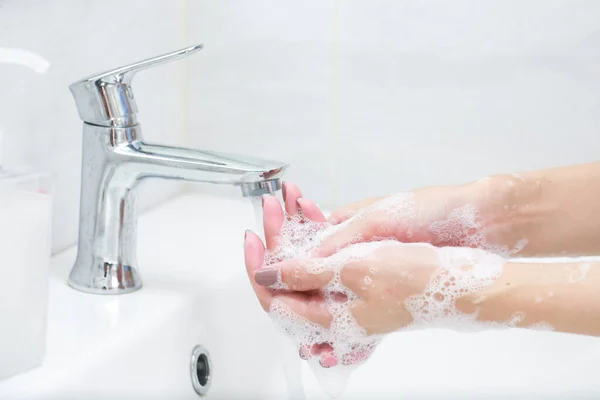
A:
x,y
80,37
361,97
370,97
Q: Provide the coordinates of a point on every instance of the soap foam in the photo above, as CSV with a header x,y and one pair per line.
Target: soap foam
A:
x,y
578,272
541,326
349,341
464,228
462,271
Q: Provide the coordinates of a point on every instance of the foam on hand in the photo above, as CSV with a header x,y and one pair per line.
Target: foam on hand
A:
x,y
461,271
464,228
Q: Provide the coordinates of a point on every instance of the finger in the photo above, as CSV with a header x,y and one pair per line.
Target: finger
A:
x,y
295,275
352,231
291,194
328,359
353,276
343,213
272,220
304,351
310,210
254,255
311,307
319,348
308,350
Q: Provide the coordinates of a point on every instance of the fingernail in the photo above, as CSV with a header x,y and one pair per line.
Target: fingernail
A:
x,y
299,202
283,190
266,276
328,361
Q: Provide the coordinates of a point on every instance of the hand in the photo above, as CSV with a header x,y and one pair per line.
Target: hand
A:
x,y
462,216
308,305
382,275
390,286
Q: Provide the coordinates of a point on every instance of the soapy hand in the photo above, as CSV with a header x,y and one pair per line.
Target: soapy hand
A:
x,y
443,216
255,252
306,304
378,284
382,275
337,307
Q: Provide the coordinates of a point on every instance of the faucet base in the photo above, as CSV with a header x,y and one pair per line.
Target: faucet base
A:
x,y
114,279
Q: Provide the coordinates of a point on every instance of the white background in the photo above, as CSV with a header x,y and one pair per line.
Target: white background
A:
x,y
361,97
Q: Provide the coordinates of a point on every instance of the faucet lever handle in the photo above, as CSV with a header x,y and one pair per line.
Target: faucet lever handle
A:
x,y
107,99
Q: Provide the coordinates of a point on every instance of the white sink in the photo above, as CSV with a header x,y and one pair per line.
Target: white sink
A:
x,y
196,292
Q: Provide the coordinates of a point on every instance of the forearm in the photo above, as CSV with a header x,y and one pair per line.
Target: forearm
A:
x,y
556,211
565,296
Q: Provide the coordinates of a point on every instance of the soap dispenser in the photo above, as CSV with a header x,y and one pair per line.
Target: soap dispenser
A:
x,y
25,215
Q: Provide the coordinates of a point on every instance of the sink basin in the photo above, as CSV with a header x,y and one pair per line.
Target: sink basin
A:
x,y
196,292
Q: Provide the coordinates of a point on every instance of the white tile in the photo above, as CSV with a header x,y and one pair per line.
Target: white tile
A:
x,y
443,93
79,38
397,94
359,97
262,86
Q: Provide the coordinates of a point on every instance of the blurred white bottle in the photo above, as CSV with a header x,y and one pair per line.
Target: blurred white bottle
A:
x,y
25,218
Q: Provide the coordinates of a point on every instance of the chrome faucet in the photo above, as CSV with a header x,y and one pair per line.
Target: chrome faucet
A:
x,y
115,159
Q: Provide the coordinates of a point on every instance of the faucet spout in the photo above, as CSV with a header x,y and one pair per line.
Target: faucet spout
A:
x,y
203,166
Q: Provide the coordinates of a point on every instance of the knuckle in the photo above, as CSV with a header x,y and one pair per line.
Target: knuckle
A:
x,y
352,272
354,266
298,279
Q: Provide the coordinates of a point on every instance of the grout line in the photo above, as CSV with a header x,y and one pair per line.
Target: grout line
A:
x,y
184,80
335,126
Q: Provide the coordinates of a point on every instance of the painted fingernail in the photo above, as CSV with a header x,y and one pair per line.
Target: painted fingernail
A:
x,y
328,361
283,190
339,297
299,202
266,276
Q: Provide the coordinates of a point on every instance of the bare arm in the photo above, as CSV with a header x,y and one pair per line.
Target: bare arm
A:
x,y
556,210
566,296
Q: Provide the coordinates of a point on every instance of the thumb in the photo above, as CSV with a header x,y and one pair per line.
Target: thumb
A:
x,y
349,210
349,232
295,274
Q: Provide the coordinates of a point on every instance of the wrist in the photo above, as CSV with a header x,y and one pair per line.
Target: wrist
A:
x,y
508,208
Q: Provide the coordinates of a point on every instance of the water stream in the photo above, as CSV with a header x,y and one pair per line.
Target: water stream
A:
x,y
291,363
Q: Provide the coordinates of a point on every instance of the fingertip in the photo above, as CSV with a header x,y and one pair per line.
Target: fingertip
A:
x,y
311,210
269,201
328,360
291,194
305,351
250,237
284,190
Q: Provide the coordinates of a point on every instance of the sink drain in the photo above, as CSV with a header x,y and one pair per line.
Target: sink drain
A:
x,y
200,370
